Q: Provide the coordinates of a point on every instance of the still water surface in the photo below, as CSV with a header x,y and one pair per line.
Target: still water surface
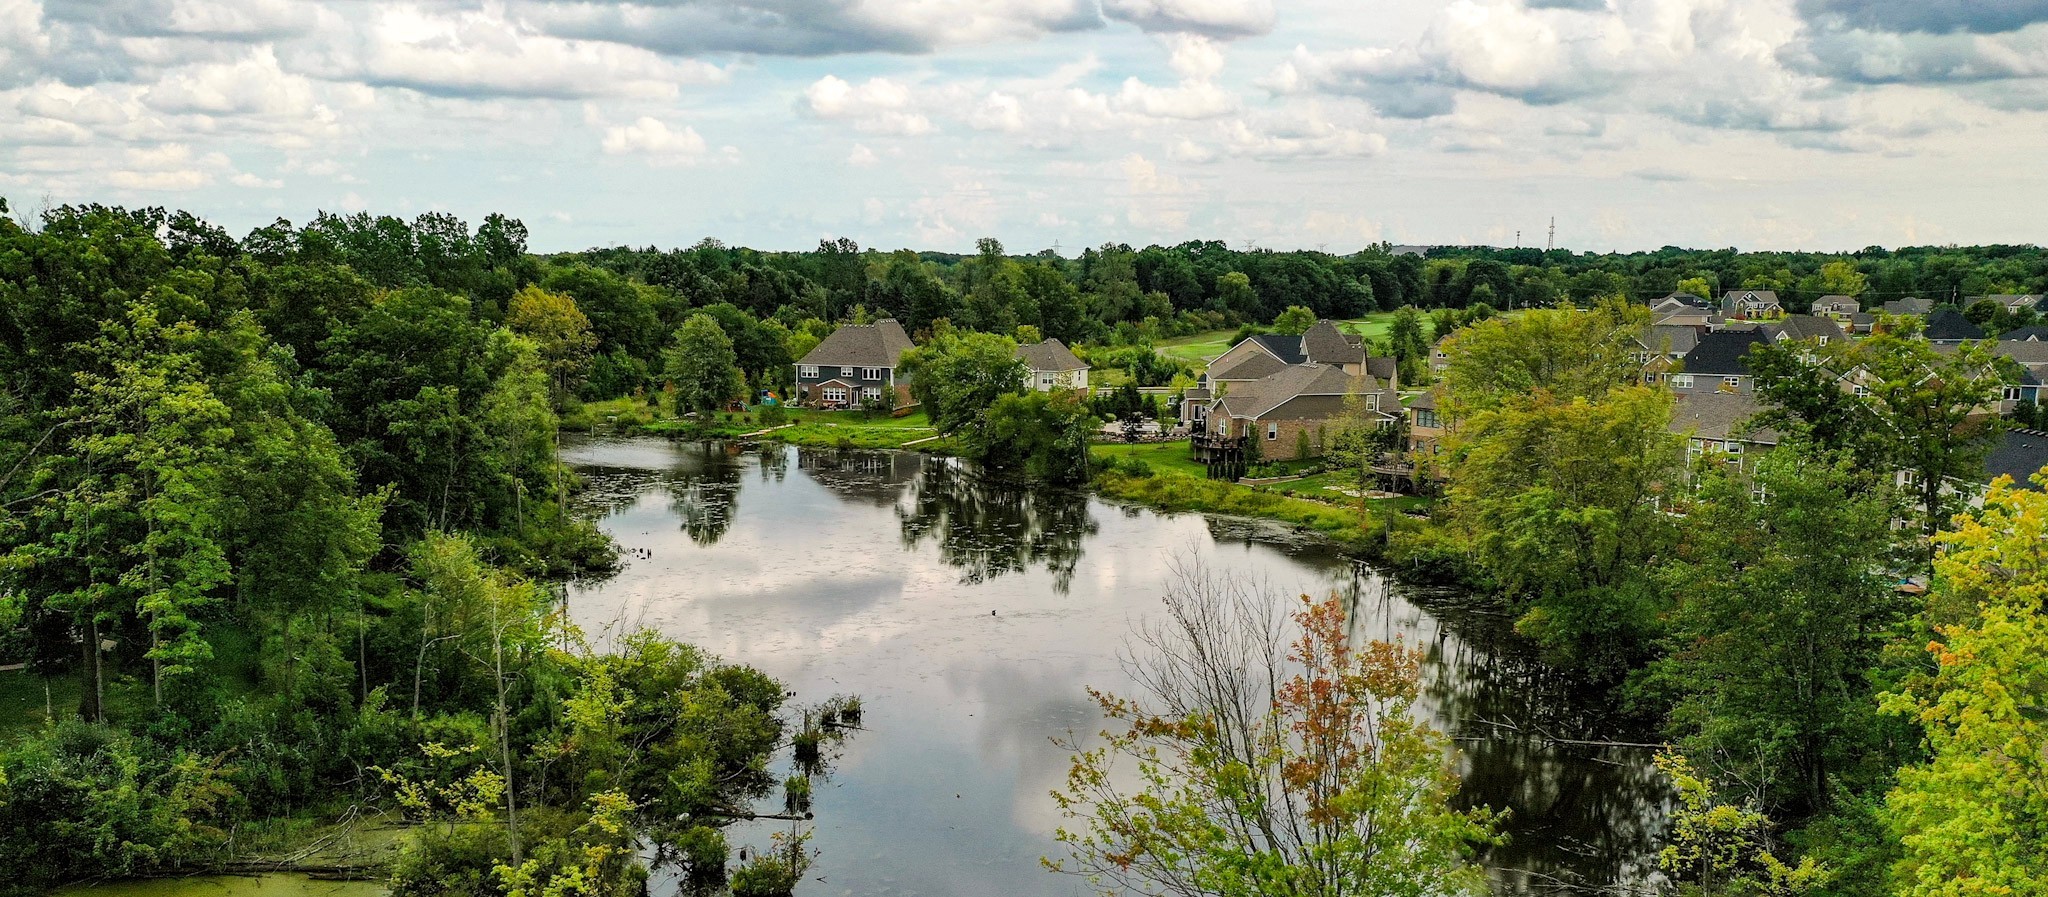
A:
x,y
971,617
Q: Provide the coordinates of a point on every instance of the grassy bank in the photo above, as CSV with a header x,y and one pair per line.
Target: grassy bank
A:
x,y
1177,492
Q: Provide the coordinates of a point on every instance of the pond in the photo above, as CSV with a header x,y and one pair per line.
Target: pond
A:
x,y
971,616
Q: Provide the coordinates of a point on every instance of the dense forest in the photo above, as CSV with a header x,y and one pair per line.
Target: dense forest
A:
x,y
282,517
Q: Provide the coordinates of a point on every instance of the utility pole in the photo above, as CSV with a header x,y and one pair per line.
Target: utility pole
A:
x,y
1552,242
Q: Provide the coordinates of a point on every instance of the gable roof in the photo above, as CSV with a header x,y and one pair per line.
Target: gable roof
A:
x,y
2017,454
1949,324
1325,344
1684,298
2024,334
1382,369
1285,347
1669,338
2027,352
1838,302
1253,368
1720,415
1051,355
1911,305
1721,351
1732,298
1258,398
877,345
1805,327
2013,301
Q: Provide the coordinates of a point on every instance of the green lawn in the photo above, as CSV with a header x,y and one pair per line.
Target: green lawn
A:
x,y
1164,457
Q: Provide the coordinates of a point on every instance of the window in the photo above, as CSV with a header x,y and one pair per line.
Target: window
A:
x,y
1425,417
835,394
846,372
1862,391
1681,381
1045,379
1372,401
1731,382
2012,393
807,372
1734,448
1223,426
871,373
871,394
1823,339
1272,431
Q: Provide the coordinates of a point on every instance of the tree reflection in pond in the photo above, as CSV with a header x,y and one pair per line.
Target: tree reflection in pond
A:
x,y
986,527
706,496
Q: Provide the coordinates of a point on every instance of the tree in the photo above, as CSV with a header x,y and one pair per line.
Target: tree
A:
x,y
1294,321
1234,292
558,330
959,376
1271,756
1357,439
1409,346
1972,817
1718,848
1043,435
1781,612
1842,279
1563,352
702,365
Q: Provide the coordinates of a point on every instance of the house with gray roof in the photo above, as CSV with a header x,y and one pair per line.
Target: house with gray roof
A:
x,y
2011,302
1837,306
856,364
1715,364
1911,305
1751,304
1050,365
2033,334
1719,427
1949,326
1813,328
1258,357
1276,412
2017,453
1660,349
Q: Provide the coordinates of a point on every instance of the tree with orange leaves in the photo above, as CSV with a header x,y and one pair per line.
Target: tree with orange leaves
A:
x,y
1273,757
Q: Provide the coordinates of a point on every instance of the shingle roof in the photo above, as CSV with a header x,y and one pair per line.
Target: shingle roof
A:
x,y
2017,454
1721,352
1731,298
1252,368
1837,302
1284,347
1670,338
1949,324
1425,400
2022,351
1325,344
877,345
1720,415
1257,398
1911,305
2026,334
1687,299
1382,369
1051,355
1805,327
2009,300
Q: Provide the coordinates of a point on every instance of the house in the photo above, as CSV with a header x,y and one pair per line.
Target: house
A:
x,y
856,364
1751,304
1837,307
1715,364
2012,303
1662,347
1275,413
1425,425
1949,326
1860,323
1050,365
2019,454
1819,330
1717,427
1911,305
1682,309
2032,334
1258,357
2032,358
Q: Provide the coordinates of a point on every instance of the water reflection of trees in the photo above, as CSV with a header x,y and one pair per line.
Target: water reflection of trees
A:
x,y
704,491
876,478
986,527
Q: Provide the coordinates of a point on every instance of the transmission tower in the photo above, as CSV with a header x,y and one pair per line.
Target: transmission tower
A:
x,y
1552,242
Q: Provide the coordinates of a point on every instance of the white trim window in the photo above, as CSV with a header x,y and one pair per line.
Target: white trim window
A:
x,y
1372,401
835,394
846,372
2012,393
1046,379
1731,383
871,394
1734,449
1862,392
807,372
1272,431
1681,381
871,373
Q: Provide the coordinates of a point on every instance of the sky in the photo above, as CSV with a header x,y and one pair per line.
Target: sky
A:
x,y
1320,124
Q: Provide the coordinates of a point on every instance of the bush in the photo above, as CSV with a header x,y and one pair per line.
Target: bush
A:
x,y
1130,466
774,416
451,861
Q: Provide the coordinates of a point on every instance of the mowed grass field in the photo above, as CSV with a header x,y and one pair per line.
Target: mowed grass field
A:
x,y
1199,349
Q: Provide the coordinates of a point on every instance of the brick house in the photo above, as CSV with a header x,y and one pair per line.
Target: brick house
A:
x,y
856,364
1274,413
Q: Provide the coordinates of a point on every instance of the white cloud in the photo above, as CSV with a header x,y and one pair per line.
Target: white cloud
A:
x,y
1216,18
652,137
862,157
878,105
244,179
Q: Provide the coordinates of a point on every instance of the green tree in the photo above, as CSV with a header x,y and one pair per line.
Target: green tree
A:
x,y
701,363
1842,279
1782,611
1234,292
1972,818
1409,346
1043,435
558,330
1273,756
958,376
1564,353
1294,321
